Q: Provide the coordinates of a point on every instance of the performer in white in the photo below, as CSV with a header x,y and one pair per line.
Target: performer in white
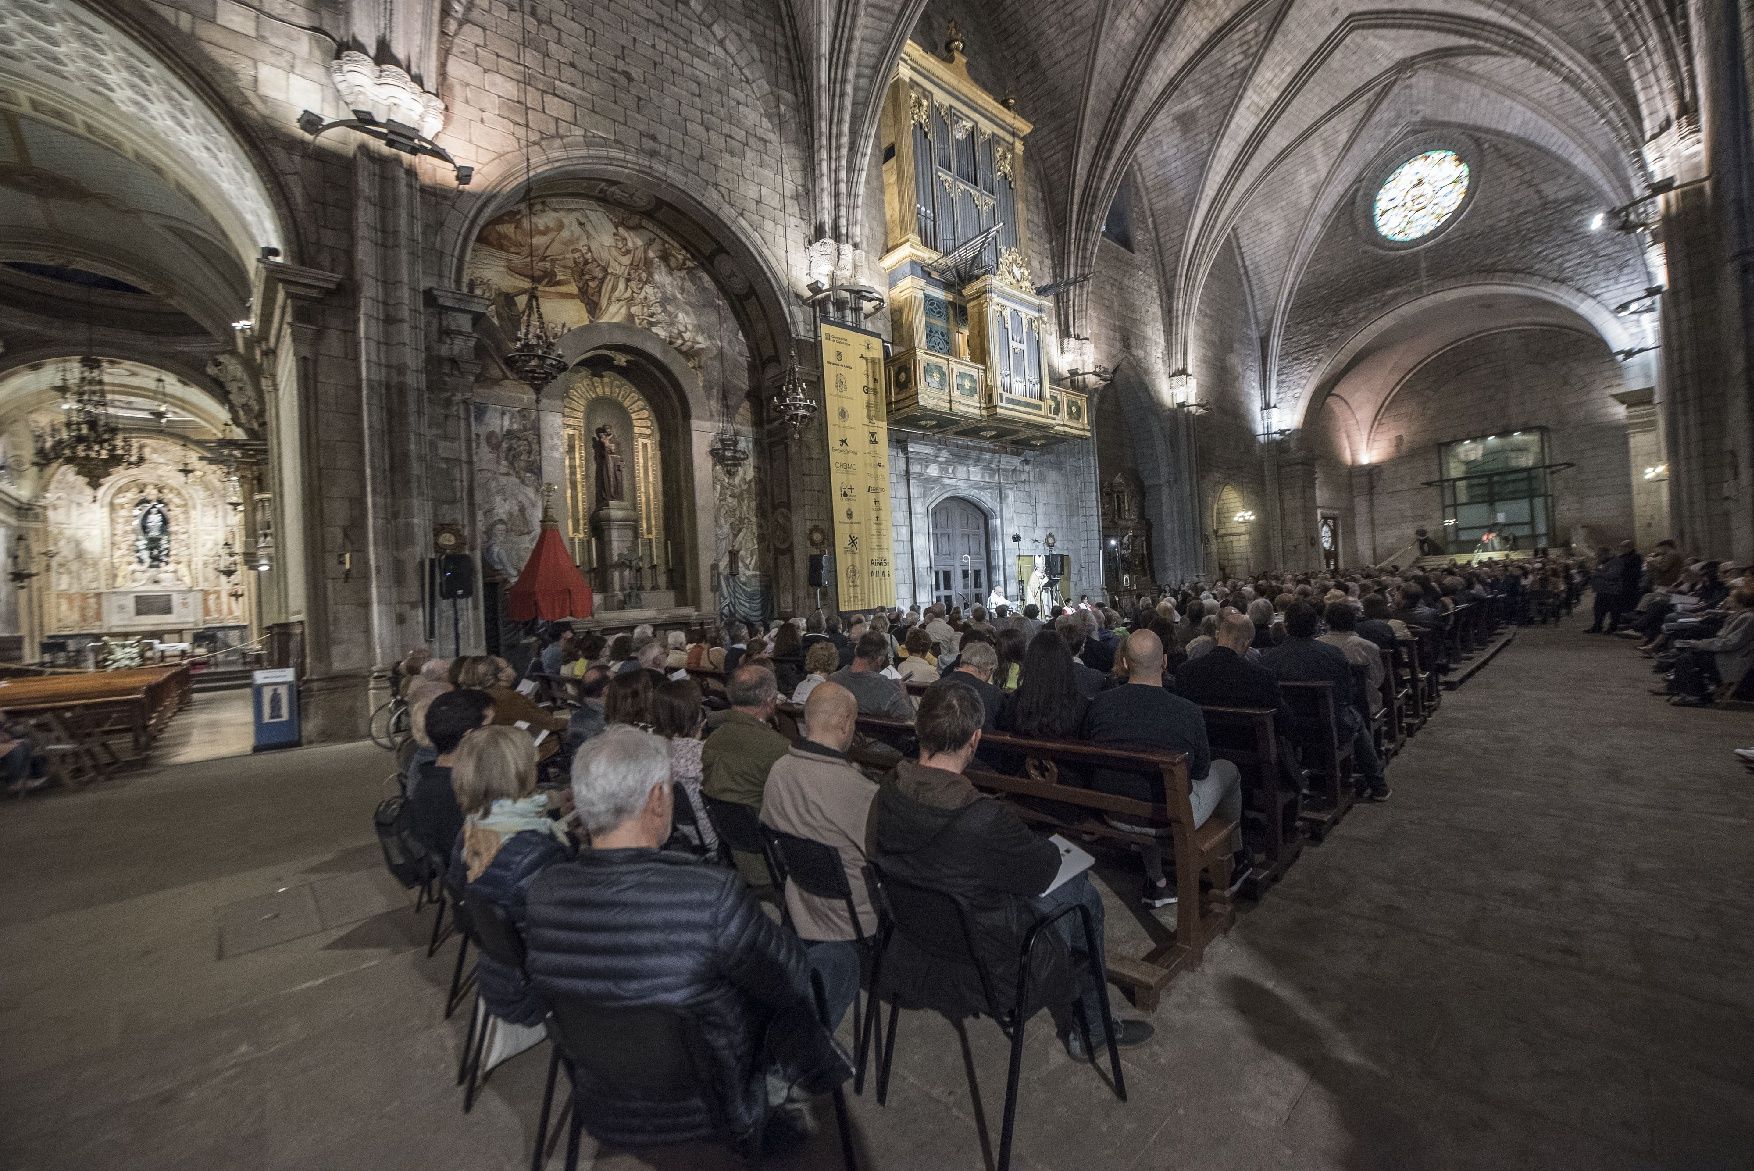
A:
x,y
995,600
1038,582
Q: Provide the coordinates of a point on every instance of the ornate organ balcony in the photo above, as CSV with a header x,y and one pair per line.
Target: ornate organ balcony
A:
x,y
971,337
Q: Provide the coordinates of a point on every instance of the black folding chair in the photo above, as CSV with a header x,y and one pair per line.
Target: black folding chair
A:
x,y
652,1054
685,827
453,892
495,936
816,869
739,828
937,923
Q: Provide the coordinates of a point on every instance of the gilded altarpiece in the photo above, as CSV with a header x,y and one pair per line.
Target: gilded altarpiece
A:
x,y
98,548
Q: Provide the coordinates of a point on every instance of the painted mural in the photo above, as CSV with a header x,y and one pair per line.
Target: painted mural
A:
x,y
593,262
508,484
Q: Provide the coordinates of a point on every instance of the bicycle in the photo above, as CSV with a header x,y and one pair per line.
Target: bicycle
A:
x,y
390,724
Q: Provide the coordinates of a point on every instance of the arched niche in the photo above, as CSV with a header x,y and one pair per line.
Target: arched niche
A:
x,y
93,538
645,324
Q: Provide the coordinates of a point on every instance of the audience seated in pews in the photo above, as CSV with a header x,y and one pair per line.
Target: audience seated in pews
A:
x,y
510,706
738,755
974,670
1141,713
587,719
877,694
1303,658
434,816
921,664
678,717
1048,703
814,792
629,925
929,826
508,838
820,661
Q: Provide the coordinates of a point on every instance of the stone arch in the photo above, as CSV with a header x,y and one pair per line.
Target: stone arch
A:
x,y
1233,548
738,260
990,524
1598,318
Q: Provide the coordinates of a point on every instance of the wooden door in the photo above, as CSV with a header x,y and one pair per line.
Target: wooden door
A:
x,y
959,553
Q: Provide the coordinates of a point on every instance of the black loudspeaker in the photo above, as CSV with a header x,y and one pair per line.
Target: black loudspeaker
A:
x,y
456,576
1058,565
816,571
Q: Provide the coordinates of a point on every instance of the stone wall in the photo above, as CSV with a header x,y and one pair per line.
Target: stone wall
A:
x,y
1504,381
1024,494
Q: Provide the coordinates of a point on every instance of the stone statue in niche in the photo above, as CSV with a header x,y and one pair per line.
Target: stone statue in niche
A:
x,y
152,534
611,482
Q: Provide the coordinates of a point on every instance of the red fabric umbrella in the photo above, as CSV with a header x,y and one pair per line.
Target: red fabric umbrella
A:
x,y
550,586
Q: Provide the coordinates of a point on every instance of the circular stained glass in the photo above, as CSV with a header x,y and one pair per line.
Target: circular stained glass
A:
x,y
1420,195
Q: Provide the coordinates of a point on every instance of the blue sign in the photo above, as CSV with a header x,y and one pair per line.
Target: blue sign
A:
x,y
274,700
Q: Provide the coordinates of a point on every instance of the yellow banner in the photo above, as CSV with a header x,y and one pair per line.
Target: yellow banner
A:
x,y
858,466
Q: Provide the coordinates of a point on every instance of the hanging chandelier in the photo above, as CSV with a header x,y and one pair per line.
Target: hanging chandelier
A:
x,y
535,360
791,403
727,450
88,439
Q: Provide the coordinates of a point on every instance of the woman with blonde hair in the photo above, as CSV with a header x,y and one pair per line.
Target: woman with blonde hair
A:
x,y
508,839
510,706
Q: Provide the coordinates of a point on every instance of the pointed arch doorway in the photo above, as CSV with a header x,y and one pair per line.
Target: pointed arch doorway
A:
x,y
960,553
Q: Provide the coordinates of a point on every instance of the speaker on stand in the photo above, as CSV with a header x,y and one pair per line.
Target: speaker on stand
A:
x,y
456,580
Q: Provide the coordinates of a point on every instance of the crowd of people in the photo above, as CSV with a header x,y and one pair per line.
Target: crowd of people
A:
x,y
656,767
1693,617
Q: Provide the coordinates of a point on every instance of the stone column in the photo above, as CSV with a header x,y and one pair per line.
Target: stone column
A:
x,y
1649,467
1300,547
452,366
306,331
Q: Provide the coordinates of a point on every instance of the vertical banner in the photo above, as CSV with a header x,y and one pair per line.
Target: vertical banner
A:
x,y
858,465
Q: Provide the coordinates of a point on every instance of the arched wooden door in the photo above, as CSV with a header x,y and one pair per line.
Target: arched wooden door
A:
x,y
959,553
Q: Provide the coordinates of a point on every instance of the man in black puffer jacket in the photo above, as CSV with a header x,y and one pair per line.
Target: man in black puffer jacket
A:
x,y
629,925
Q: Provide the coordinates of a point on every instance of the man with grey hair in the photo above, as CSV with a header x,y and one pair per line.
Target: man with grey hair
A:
x,y
629,925
735,759
975,669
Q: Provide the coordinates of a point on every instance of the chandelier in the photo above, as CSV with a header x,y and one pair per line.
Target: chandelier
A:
x,y
791,403
88,440
535,360
727,450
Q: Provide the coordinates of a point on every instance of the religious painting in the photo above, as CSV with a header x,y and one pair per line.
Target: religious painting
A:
x,y
740,539
508,486
593,262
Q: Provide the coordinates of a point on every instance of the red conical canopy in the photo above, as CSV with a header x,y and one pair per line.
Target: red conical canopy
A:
x,y
550,586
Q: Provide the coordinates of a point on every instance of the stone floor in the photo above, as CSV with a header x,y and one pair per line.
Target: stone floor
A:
x,y
215,724
1536,956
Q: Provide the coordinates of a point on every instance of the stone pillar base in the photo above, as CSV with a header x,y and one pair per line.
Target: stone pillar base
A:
x,y
335,709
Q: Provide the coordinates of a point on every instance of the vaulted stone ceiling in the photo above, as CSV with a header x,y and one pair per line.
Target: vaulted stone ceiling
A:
x,y
1252,122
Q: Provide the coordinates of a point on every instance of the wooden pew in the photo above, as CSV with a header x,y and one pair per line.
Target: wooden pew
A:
x,y
1330,755
1247,738
1042,796
1408,664
70,757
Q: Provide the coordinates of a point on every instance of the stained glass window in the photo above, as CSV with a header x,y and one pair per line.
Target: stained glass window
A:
x,y
1421,195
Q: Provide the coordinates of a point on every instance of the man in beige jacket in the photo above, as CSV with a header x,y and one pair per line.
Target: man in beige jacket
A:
x,y
815,792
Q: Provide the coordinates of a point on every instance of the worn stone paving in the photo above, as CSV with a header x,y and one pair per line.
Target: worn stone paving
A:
x,y
1535,956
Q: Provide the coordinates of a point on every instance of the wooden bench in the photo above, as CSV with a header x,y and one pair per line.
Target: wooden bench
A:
x,y
1329,754
1248,738
71,757
1043,796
